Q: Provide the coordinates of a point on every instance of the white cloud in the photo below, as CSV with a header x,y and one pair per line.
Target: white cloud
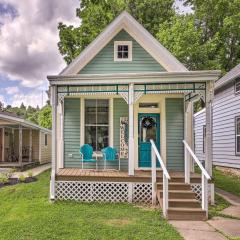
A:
x,y
2,99
28,46
11,90
36,98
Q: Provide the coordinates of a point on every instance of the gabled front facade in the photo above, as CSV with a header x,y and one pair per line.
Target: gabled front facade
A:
x,y
124,89
226,122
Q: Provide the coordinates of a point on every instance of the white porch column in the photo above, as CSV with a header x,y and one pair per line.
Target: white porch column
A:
x,y
30,145
54,140
61,109
20,145
208,152
3,144
131,130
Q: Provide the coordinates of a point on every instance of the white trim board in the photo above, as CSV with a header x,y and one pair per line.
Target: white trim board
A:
x,y
125,78
126,22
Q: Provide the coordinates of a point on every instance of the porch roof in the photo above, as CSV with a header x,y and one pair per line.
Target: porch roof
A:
x,y
9,120
138,78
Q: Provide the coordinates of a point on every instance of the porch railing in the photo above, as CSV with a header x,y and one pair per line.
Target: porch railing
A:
x,y
155,154
205,175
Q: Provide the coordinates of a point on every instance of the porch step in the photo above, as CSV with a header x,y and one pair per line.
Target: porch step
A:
x,y
193,214
175,186
182,203
180,179
179,194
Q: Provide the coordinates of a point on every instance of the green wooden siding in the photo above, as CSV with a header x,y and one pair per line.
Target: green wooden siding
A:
x,y
175,133
103,62
120,109
71,132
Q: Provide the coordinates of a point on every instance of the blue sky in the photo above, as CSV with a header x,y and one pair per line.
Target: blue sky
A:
x,y
29,52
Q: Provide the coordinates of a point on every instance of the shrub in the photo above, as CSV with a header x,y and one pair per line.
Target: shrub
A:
x,y
22,178
3,178
30,174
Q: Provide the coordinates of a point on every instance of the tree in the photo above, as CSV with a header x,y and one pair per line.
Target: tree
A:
x,y
45,117
96,15
209,38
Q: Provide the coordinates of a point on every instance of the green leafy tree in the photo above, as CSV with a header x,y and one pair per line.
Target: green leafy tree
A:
x,y
45,117
95,15
206,39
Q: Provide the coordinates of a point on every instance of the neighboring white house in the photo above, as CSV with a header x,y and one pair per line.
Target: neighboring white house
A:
x,y
226,122
23,143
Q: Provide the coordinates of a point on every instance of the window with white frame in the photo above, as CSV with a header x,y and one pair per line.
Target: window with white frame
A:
x,y
45,140
237,135
97,123
122,51
237,86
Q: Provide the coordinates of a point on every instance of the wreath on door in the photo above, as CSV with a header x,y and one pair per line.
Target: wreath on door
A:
x,y
148,122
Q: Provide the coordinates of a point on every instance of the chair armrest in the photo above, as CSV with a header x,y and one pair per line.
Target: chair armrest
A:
x,y
104,156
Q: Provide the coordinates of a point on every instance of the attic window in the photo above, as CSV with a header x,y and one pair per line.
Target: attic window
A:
x,y
122,51
237,86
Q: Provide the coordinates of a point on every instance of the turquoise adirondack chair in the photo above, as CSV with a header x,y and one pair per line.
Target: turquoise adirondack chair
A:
x,y
86,153
110,154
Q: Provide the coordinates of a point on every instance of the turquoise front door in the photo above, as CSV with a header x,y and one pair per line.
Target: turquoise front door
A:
x,y
148,128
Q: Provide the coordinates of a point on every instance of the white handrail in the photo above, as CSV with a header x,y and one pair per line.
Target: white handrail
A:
x,y
197,160
205,175
166,177
165,172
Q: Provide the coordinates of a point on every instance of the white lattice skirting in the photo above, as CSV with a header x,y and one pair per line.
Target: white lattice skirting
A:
x,y
197,189
104,191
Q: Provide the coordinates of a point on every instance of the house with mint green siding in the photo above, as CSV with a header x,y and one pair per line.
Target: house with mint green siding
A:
x,y
123,125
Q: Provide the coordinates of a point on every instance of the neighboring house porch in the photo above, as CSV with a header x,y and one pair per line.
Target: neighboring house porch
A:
x,y
22,143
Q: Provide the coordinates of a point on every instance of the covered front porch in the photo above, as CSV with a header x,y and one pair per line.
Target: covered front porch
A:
x,y
146,117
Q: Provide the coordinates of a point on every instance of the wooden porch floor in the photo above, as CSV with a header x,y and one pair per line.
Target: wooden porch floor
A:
x,y
75,174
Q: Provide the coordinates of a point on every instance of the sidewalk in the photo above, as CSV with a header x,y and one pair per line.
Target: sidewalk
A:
x,y
216,228
35,171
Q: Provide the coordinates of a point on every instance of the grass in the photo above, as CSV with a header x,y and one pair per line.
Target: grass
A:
x,y
220,204
26,214
229,183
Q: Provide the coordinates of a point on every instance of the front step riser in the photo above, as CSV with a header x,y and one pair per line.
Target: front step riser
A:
x,y
187,217
188,195
175,187
184,204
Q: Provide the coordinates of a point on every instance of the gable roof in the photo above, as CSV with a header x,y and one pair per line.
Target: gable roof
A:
x,y
139,33
231,75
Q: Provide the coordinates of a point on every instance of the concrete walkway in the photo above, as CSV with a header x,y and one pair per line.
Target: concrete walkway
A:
x,y
233,199
35,171
197,230
216,228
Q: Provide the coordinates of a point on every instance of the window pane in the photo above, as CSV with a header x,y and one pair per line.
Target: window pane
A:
x,y
102,111
238,85
120,54
90,111
102,138
125,48
238,126
125,54
238,144
90,136
120,48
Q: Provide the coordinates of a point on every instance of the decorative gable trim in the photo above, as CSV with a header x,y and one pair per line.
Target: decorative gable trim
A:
x,y
126,22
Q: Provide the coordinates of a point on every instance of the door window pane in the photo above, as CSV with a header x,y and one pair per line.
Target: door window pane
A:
x,y
148,129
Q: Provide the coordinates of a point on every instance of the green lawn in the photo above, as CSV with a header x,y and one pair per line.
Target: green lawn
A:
x,y
26,213
226,182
